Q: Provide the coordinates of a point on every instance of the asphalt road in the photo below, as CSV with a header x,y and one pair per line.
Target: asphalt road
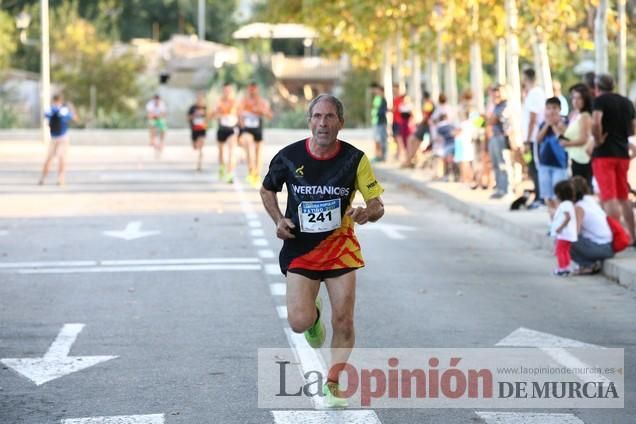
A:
x,y
185,306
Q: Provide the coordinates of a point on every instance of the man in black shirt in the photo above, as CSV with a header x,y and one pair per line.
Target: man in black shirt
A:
x,y
613,122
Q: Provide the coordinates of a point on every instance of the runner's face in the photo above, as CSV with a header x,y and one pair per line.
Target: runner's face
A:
x,y
227,91
324,123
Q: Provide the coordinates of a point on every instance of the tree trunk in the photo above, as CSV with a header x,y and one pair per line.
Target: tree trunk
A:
x,y
600,38
399,62
514,81
501,61
622,48
416,76
450,80
433,78
544,63
387,76
476,68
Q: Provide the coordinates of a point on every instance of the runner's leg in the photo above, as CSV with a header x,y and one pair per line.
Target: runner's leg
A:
x,y
50,155
62,147
301,302
342,295
258,158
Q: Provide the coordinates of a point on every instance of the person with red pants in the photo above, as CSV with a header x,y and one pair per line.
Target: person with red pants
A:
x,y
613,122
564,227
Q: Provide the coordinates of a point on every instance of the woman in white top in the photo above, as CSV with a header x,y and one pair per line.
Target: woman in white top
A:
x,y
578,135
594,243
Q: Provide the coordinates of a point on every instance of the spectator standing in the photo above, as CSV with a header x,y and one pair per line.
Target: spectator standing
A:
x,y
531,117
497,144
379,122
613,122
553,159
578,135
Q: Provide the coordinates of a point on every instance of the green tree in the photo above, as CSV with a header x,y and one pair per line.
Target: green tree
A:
x,y
92,63
8,39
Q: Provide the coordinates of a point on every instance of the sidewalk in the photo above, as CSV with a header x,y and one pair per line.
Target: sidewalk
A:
x,y
531,226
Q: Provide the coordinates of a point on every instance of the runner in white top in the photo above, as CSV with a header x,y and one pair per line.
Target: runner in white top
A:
x,y
156,112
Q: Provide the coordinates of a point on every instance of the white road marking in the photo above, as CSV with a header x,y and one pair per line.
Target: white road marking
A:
x,y
392,231
120,419
266,253
146,268
524,337
527,418
260,242
3,232
272,269
168,261
555,347
282,312
278,289
322,417
7,265
254,224
184,261
131,232
55,363
251,215
257,232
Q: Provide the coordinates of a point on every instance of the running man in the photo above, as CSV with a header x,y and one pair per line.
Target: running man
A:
x,y
198,119
156,113
59,115
252,109
226,113
322,175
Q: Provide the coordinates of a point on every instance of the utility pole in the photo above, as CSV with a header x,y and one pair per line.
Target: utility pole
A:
x,y
201,19
45,72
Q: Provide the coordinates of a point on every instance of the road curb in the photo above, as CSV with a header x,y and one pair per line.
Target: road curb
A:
x,y
616,269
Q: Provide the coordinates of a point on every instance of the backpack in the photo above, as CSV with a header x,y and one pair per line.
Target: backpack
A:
x,y
620,238
55,122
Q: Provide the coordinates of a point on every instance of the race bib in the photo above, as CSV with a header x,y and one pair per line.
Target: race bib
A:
x,y
252,121
228,121
198,122
319,216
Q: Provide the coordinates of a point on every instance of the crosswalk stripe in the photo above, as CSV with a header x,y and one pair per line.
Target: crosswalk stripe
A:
x,y
325,417
119,419
527,418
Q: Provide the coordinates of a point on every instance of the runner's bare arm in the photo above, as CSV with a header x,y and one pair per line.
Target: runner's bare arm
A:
x,y
283,225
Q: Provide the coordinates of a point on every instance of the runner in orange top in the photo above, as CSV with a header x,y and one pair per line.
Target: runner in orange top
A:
x,y
227,115
252,109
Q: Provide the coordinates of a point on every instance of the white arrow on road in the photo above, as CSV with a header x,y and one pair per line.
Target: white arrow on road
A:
x,y
392,231
119,419
55,363
555,347
131,232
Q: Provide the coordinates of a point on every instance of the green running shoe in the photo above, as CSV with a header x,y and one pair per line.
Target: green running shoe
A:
x,y
222,172
315,336
333,399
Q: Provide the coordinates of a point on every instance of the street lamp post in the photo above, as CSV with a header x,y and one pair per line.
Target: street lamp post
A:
x,y
22,22
46,68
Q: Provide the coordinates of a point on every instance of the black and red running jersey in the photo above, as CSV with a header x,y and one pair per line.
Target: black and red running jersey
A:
x,y
319,192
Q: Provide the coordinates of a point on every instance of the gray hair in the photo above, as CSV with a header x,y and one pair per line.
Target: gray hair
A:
x,y
327,98
604,82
